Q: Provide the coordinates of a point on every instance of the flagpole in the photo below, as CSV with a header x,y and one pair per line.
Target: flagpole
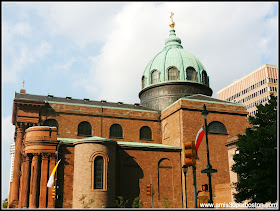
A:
x,y
55,181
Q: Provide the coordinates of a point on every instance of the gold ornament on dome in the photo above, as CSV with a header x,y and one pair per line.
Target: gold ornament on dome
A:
x,y
172,24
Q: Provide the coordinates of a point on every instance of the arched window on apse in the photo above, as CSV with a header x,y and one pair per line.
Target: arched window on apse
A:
x,y
84,129
165,179
116,131
145,133
191,74
172,73
216,127
99,171
51,123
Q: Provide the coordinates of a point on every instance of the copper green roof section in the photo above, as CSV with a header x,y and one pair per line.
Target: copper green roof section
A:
x,y
124,144
146,145
173,55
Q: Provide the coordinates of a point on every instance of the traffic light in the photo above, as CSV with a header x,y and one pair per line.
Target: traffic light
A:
x,y
53,193
205,187
190,154
149,190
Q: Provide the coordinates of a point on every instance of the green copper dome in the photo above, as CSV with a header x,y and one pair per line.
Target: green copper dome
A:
x,y
174,63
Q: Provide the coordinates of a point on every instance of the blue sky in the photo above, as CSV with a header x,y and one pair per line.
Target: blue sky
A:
x,y
99,50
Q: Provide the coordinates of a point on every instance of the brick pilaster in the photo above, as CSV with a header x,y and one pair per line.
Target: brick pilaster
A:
x,y
43,183
17,165
25,182
33,183
51,166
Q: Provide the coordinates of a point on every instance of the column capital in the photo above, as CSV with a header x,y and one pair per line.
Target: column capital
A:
x,y
45,156
36,155
20,127
28,157
52,155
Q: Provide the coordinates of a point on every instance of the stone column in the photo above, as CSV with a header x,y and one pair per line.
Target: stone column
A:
x,y
51,166
17,164
25,182
22,158
44,181
33,182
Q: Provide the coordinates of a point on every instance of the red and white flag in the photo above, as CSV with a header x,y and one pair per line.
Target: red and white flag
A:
x,y
199,137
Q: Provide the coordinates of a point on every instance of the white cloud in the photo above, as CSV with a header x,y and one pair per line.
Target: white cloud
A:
x,y
226,37
8,130
83,22
17,54
42,49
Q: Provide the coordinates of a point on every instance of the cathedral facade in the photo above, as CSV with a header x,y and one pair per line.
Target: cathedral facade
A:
x,y
109,150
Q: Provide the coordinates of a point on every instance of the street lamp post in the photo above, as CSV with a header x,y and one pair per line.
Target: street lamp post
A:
x,y
185,170
208,168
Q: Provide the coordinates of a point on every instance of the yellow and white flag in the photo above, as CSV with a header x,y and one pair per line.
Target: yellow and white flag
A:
x,y
51,179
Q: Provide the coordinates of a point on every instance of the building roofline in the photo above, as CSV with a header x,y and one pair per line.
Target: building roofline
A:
x,y
206,101
81,102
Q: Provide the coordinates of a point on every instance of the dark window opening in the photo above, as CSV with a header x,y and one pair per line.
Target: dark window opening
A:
x,y
145,133
116,131
172,73
204,77
51,123
191,74
98,172
154,77
84,129
217,128
143,82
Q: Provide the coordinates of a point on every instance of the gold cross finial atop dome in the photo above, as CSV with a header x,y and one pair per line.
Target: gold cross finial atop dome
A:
x,y
172,24
23,84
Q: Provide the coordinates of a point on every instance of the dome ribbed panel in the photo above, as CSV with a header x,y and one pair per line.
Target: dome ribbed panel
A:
x,y
173,58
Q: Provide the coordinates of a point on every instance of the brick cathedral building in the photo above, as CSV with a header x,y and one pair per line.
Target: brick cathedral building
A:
x,y
114,149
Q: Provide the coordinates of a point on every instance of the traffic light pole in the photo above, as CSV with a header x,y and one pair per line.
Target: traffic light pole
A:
x,y
194,186
152,192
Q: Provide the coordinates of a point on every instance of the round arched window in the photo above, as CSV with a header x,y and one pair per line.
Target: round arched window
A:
x,y
51,123
145,133
143,82
116,131
204,77
172,73
191,74
84,129
154,77
216,127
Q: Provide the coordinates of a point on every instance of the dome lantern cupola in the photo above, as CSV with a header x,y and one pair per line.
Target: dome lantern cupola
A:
x,y
173,73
